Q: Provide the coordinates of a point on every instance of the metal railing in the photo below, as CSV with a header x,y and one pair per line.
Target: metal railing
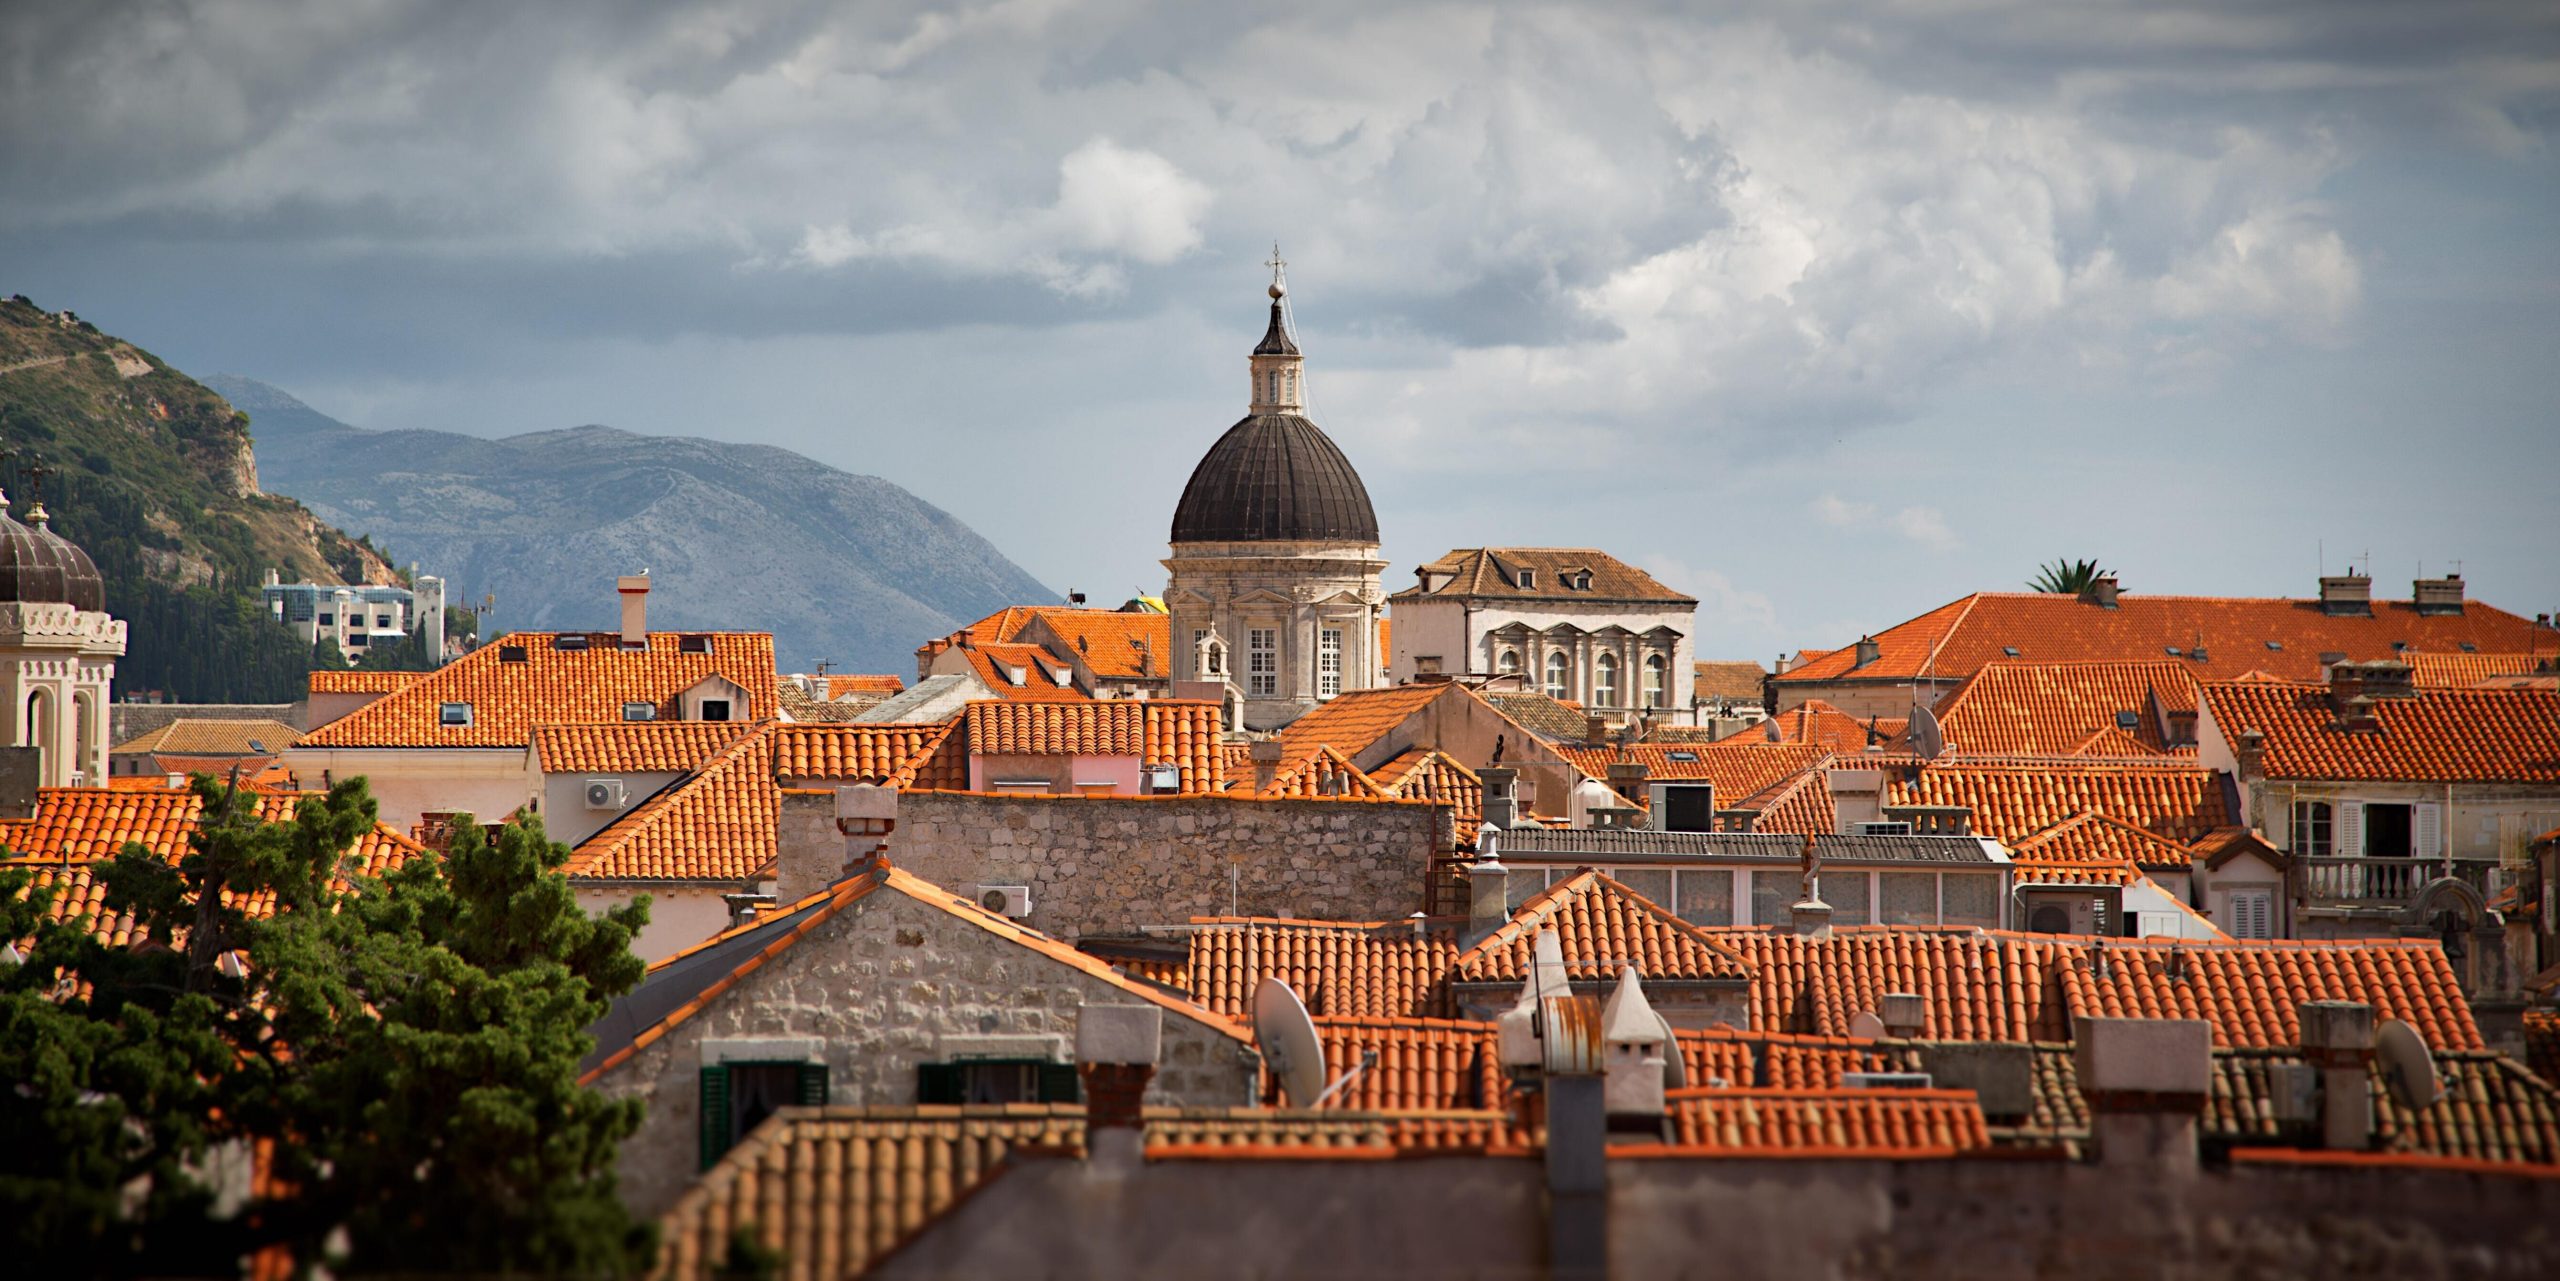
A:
x,y
2378,882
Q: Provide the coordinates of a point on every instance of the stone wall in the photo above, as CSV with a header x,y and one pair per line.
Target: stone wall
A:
x,y
887,984
1111,865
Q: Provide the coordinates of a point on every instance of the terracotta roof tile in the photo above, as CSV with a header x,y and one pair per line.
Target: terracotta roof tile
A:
x,y
632,746
2096,838
1739,767
2542,1044
2464,671
2440,735
1112,644
1819,724
2492,1109
718,823
1959,638
927,756
1041,678
1552,719
2013,801
1341,969
2056,709
1864,1122
1603,927
1353,721
1975,987
1422,1063
1180,732
1494,573
547,685
352,681
1730,681
869,684
192,737
1802,804
1325,772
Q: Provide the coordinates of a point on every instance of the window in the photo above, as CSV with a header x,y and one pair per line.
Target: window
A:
x,y
454,714
331,620
1262,662
2010,650
1328,661
997,1081
693,644
1657,682
2253,914
1559,675
1652,882
737,1097
1907,898
382,620
1528,579
1846,892
1706,898
639,711
2128,721
1508,663
1426,664
511,653
355,640
2389,831
717,709
1772,893
1604,683
2311,834
1970,900
570,642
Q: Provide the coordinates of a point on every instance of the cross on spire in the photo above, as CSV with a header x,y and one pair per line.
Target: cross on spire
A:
x,y
1279,268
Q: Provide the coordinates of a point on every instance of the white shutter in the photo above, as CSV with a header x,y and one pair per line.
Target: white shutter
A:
x,y
2350,830
2426,830
2252,913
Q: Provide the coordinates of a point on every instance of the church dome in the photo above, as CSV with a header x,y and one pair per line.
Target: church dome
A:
x,y
39,566
1272,478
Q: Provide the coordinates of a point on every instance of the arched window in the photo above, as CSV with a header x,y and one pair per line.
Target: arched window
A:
x,y
1215,657
1604,681
1559,674
1657,683
1509,663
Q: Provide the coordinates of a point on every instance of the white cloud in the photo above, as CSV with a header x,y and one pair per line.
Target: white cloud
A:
x,y
1921,525
1926,526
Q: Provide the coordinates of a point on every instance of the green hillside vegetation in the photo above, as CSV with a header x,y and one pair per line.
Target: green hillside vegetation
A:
x,y
152,475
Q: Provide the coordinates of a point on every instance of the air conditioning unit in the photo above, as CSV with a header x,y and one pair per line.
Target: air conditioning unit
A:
x,y
604,793
1006,900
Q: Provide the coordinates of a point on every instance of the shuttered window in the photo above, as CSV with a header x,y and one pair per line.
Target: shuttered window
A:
x,y
2351,829
736,1097
997,1081
2426,831
2253,914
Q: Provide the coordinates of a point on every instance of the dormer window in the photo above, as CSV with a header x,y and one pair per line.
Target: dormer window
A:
x,y
511,653
453,714
715,709
572,641
639,711
693,644
1528,579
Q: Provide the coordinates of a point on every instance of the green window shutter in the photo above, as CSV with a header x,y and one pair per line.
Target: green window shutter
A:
x,y
1058,1083
813,1085
941,1083
715,1114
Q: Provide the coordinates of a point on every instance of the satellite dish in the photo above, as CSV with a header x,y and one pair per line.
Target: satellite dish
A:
x,y
1675,1066
1289,1044
2408,1066
1926,736
1867,1026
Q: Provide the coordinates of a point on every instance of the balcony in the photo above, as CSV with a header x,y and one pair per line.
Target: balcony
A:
x,y
2386,883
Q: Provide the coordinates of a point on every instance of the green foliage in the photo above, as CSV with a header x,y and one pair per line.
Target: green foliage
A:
x,y
2070,577
405,1052
750,1259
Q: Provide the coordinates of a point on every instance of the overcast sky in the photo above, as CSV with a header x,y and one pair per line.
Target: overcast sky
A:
x,y
1826,312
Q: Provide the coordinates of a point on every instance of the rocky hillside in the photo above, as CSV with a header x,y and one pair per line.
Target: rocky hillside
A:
x,y
844,568
153,475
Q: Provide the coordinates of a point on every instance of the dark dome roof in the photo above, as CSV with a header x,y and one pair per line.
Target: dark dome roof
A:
x,y
40,566
1271,478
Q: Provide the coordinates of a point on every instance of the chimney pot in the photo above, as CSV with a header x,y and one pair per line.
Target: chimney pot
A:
x,y
1488,889
1501,795
1266,755
634,590
1117,1047
2147,1081
2348,593
2101,592
1868,651
1904,1014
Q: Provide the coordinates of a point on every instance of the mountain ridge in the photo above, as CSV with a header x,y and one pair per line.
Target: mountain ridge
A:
x,y
845,567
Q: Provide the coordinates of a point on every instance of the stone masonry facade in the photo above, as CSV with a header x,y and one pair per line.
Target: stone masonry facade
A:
x,y
887,984
1098,865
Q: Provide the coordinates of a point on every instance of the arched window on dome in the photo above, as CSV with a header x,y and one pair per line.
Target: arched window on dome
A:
x,y
1559,675
1604,683
1657,682
1508,663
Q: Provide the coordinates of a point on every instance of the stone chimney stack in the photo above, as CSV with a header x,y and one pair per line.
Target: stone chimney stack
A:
x,y
1904,1015
2101,592
865,816
1117,1047
2337,1040
1868,652
2251,752
2349,593
1501,795
1266,763
634,589
2437,595
1626,778
2147,1081
1488,889
1595,731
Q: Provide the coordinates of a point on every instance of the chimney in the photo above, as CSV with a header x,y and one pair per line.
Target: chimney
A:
x,y
21,775
1595,731
635,610
2337,1040
2147,1081
1867,652
1626,778
1633,1038
1904,1014
2347,593
1116,1051
2250,752
1266,763
2101,591
2389,678
2001,1075
1577,1102
2437,595
1501,799
1488,887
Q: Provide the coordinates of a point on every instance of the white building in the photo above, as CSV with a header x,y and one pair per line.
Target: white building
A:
x,y
1274,596
1573,623
58,651
360,617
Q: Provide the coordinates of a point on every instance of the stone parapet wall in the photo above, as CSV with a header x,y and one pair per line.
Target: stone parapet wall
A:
x,y
1112,865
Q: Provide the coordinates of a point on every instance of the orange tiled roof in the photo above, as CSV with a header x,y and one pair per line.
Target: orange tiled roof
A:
x,y
1729,681
548,685
352,681
2053,709
1817,723
1603,927
192,737
1351,722
1494,572
1159,731
259,773
1339,968
1325,772
1738,767
1801,804
2096,838
717,823
1113,645
1861,1122
632,746
1422,1063
881,684
997,665
2114,744
2063,872
927,756
1552,719
2013,801
2492,1110
2440,735
2250,991
1425,774
1957,639
2464,671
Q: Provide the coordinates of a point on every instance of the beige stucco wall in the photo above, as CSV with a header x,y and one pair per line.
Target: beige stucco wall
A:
x,y
1292,587
488,783
1117,864
680,915
885,985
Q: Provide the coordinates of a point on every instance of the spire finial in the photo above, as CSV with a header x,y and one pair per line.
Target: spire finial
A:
x,y
1279,267
36,472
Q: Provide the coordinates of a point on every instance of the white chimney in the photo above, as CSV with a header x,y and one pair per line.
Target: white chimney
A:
x,y
635,610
